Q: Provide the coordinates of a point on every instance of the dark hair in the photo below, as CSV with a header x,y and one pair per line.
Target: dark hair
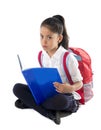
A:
x,y
56,24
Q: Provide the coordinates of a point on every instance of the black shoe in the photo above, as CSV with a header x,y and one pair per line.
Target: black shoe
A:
x,y
54,115
20,104
57,119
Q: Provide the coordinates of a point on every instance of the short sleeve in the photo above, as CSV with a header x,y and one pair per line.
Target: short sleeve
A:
x,y
73,69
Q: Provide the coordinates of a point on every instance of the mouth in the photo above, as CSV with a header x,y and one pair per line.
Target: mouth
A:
x,y
44,46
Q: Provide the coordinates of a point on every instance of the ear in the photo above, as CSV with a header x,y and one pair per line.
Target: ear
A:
x,y
60,38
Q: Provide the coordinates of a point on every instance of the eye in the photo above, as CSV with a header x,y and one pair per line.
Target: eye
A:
x,y
49,37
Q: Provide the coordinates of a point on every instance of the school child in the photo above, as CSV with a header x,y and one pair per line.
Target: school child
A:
x,y
54,41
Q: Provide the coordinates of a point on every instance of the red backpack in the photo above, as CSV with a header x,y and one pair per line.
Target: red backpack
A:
x,y
85,68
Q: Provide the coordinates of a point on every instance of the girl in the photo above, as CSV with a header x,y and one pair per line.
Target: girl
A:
x,y
54,40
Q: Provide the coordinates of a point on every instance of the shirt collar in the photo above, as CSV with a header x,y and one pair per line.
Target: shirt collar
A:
x,y
57,54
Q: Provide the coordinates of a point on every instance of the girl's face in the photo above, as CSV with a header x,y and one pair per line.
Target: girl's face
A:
x,y
49,40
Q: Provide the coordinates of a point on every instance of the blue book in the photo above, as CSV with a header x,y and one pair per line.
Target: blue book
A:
x,y
40,82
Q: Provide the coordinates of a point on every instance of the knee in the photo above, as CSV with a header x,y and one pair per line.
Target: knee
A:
x,y
16,88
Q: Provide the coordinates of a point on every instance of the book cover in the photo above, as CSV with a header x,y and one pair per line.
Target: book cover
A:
x,y
40,81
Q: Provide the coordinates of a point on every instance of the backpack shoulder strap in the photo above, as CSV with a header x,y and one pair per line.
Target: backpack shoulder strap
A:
x,y
39,58
80,91
65,67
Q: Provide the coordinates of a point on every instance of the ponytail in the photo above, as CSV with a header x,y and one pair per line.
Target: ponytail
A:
x,y
65,41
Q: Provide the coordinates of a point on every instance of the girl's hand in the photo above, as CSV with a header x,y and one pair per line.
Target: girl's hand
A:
x,y
63,87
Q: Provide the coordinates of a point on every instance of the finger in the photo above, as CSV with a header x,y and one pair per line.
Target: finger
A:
x,y
56,84
58,89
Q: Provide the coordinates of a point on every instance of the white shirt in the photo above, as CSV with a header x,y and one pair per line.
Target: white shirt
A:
x,y
56,61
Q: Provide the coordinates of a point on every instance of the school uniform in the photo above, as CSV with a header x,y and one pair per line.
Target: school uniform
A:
x,y
61,102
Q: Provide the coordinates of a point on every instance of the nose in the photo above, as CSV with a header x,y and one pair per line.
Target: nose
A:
x,y
44,41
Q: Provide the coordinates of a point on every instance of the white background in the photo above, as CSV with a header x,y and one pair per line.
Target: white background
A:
x,y
20,34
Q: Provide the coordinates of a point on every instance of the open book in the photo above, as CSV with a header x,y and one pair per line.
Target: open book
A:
x,y
40,81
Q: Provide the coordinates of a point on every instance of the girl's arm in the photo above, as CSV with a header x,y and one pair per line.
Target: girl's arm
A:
x,y
67,88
